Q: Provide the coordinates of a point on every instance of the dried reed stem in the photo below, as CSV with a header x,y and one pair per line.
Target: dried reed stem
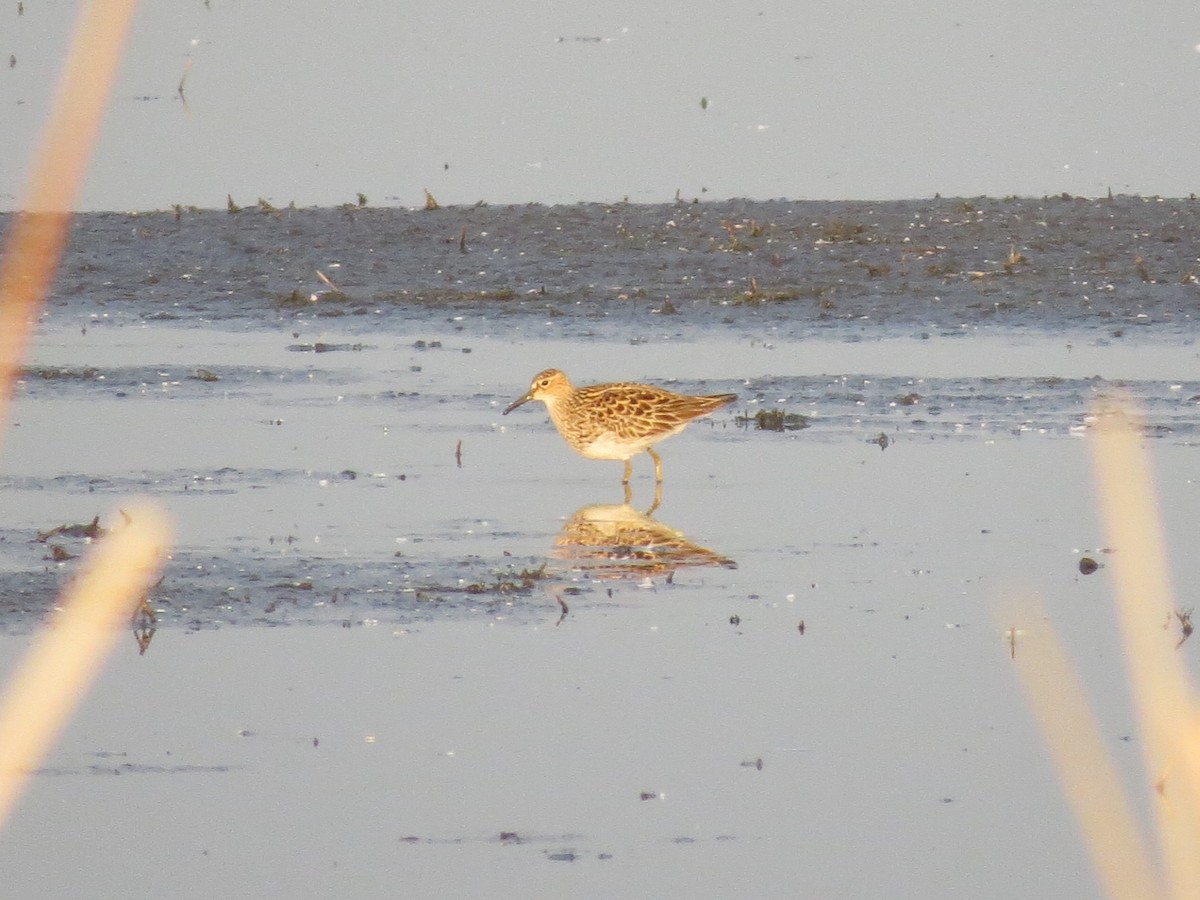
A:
x,y
1089,779
56,671
1164,701
65,658
35,240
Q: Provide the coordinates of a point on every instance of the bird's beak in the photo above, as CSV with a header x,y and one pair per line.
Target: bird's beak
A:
x,y
517,403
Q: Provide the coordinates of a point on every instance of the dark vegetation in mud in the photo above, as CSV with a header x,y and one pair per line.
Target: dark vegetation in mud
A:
x,y
1014,262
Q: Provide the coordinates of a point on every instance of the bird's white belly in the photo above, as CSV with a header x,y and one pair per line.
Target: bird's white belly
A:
x,y
609,446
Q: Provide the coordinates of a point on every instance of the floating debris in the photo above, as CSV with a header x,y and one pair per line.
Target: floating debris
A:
x,y
1087,565
91,530
59,553
54,373
510,582
322,347
774,420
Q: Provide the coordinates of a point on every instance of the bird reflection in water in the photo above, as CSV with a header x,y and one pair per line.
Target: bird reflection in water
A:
x,y
143,634
145,622
615,542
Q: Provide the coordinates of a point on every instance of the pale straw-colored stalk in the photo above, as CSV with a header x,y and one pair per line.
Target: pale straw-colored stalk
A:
x,y
1089,779
52,678
36,237
1165,702
66,655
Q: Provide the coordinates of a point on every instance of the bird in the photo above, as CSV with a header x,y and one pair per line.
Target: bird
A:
x,y
619,420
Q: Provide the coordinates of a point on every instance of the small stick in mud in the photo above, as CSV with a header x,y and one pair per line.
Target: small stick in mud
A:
x,y
1185,625
458,454
187,68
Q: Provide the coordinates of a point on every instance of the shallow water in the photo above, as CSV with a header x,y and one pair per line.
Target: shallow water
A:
x,y
521,692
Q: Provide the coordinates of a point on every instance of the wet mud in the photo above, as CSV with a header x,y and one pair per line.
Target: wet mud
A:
x,y
799,266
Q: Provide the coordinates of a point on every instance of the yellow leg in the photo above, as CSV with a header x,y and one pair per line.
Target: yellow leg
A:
x,y
657,465
628,494
628,472
657,498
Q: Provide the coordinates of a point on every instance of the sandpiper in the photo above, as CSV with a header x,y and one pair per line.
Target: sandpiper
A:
x,y
617,421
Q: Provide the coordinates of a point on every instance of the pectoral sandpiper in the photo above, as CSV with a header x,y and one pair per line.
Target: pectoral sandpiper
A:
x,y
617,421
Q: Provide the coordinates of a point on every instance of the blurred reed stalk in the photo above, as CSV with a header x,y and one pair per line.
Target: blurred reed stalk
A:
x,y
66,656
36,237
68,653
1165,702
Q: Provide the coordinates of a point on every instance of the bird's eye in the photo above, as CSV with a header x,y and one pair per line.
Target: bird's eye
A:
x,y
545,382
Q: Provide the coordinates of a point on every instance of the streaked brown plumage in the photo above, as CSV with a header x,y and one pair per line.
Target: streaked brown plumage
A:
x,y
617,421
